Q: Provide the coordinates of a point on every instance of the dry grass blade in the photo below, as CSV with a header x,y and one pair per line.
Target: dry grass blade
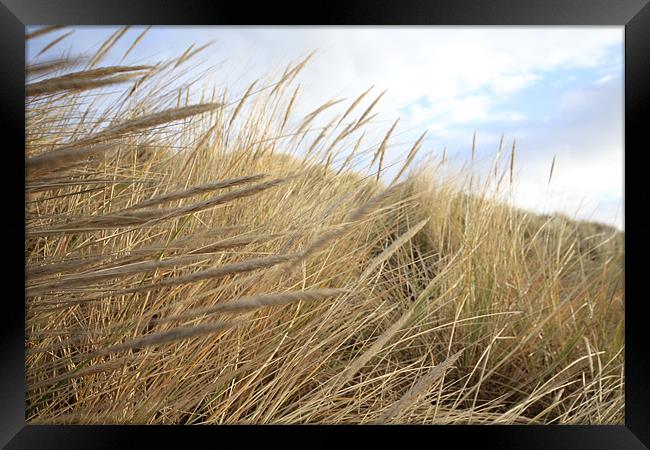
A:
x,y
550,174
258,301
152,216
357,364
63,157
474,145
183,57
107,45
382,149
51,66
47,87
224,198
383,143
392,248
42,31
318,139
352,369
75,264
301,65
241,103
372,204
312,115
497,157
419,388
34,272
357,215
199,50
219,272
322,108
165,337
143,123
409,158
353,105
290,74
367,111
96,368
115,272
361,124
352,154
100,72
289,108
512,161
54,42
136,42
196,190
237,241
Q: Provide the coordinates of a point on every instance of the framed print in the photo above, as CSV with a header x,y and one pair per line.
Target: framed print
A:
x,y
409,218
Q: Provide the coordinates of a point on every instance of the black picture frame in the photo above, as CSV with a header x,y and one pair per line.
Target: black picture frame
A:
x,y
634,15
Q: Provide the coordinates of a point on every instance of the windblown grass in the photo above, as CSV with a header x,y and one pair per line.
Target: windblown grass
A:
x,y
189,262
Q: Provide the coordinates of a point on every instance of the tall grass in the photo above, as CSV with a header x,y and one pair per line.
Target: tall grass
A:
x,y
192,263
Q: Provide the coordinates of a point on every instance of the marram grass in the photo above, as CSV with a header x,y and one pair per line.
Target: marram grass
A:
x,y
225,261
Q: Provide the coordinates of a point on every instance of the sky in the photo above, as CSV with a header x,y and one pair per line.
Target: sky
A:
x,y
557,90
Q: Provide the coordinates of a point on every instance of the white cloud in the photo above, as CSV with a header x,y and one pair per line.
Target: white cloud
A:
x,y
450,80
606,79
587,137
431,62
453,110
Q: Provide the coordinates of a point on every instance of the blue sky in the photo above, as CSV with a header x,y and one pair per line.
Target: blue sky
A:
x,y
557,90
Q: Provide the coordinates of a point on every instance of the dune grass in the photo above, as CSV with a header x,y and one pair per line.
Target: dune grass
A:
x,y
224,261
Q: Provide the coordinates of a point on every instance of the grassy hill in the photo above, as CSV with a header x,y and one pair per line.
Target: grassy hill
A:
x,y
222,262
